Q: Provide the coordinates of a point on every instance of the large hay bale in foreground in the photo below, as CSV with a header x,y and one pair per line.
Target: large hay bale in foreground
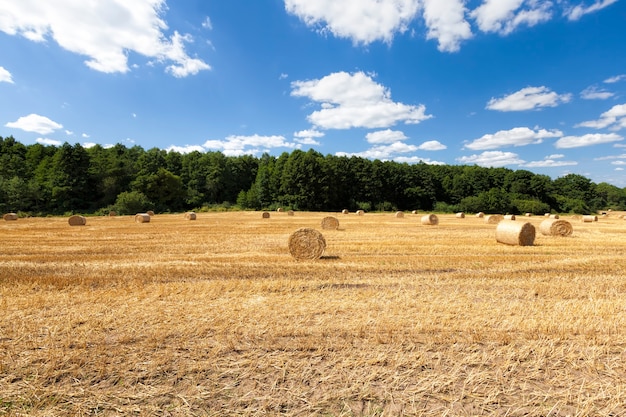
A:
x,y
190,215
330,223
306,244
556,227
77,220
513,232
142,218
460,215
494,218
590,219
9,217
430,219
399,214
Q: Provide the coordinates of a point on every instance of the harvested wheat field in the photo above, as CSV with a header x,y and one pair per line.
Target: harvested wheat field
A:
x,y
216,318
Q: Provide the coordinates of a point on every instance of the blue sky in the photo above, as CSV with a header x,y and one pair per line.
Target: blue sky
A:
x,y
524,84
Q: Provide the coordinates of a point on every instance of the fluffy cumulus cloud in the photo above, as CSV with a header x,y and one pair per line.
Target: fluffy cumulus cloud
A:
x,y
445,20
504,16
385,136
519,136
35,123
492,159
308,136
47,141
528,98
615,79
550,161
186,148
595,93
105,31
5,76
587,140
432,145
576,12
355,101
614,119
383,152
248,145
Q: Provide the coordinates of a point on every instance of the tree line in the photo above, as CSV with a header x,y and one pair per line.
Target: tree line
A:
x,y
44,179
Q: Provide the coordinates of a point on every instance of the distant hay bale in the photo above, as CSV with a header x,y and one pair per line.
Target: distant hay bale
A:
x,y
360,212
399,214
279,210
494,218
190,215
290,213
460,215
430,219
414,212
556,227
547,215
509,217
112,213
345,211
480,214
9,217
528,214
515,233
330,223
142,218
554,216
589,219
77,220
265,215
150,213
306,244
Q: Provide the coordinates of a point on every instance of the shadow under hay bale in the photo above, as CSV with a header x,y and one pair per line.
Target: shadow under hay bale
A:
x,y
306,244
513,232
494,218
10,217
77,220
330,223
556,227
142,218
460,215
430,220
190,215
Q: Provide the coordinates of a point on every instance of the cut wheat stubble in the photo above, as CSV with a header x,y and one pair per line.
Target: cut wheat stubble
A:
x,y
306,244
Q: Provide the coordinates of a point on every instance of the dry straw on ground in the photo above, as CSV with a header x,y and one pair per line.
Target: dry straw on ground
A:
x,y
556,227
399,214
77,220
494,218
142,218
430,219
330,223
515,233
306,244
190,215
10,216
460,215
590,218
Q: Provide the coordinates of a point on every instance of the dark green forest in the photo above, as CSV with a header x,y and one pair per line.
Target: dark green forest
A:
x,y
43,180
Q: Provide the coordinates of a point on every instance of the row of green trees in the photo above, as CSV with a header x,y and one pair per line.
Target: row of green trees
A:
x,y
40,179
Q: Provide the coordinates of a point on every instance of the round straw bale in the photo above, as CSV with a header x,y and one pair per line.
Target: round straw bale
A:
x,y
360,212
190,215
460,215
414,212
265,215
77,220
330,223
279,209
345,211
480,214
10,216
112,213
509,217
290,213
494,218
150,213
399,214
590,219
306,243
142,218
554,216
515,233
528,214
430,219
556,227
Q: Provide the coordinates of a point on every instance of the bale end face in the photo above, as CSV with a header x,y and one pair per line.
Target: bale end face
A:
x,y
77,221
190,216
430,219
142,218
512,232
556,227
306,244
330,223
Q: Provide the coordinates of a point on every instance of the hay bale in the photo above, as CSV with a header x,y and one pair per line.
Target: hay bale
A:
x,y
554,216
112,213
10,217
509,217
306,244
414,212
589,219
460,215
360,213
399,214
345,211
556,227
290,213
330,223
279,210
430,219
494,218
77,220
480,214
150,213
142,218
515,233
265,215
528,214
190,215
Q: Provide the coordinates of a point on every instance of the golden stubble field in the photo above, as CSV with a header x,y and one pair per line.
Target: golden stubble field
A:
x,y
213,317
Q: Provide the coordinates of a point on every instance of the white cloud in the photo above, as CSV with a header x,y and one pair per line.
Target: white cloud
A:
x,y
84,135
355,100
606,158
417,160
614,118
46,141
587,140
248,145
550,162
383,152
528,98
362,21
89,145
617,78
206,23
579,11
5,76
446,22
309,133
492,159
618,163
185,149
504,16
555,156
595,93
619,169
35,123
385,136
432,145
69,132
104,31
518,136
